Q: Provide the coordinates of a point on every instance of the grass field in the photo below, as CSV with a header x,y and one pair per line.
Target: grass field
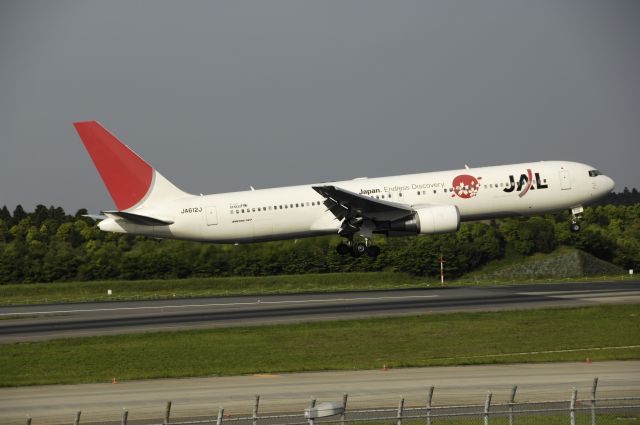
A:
x,y
428,340
44,293
59,292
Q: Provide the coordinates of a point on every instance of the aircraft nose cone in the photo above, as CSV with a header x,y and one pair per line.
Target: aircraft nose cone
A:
x,y
609,184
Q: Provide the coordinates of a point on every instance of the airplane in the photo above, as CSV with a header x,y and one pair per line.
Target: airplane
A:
x,y
413,204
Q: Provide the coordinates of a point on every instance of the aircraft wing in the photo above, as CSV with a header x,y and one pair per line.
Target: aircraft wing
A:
x,y
346,204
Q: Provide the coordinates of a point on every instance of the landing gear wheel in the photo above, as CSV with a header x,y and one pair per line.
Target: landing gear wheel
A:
x,y
359,249
575,227
343,249
373,251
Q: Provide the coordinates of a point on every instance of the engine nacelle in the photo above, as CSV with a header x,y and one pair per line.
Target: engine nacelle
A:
x,y
429,220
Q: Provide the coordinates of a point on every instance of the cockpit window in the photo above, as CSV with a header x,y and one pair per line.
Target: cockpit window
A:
x,y
593,173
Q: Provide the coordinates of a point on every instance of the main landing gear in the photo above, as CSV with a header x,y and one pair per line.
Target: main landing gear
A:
x,y
576,215
358,249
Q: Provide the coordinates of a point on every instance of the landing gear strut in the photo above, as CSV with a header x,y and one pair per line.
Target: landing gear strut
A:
x,y
358,249
576,215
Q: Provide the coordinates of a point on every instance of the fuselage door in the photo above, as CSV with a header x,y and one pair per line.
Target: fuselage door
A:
x,y
565,180
212,216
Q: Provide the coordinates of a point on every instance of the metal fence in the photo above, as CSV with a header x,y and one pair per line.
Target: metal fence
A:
x,y
573,411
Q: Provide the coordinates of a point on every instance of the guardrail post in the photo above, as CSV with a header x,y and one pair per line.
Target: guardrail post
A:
x,y
487,407
220,415
593,400
312,404
429,399
256,405
343,416
76,420
28,420
512,400
125,417
167,413
400,409
572,406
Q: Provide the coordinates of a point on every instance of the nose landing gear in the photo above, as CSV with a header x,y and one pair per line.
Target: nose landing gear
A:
x,y
576,215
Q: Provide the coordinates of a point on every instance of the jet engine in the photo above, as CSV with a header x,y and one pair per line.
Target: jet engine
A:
x,y
431,219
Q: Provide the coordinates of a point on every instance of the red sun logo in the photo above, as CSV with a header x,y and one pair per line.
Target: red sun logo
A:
x,y
466,186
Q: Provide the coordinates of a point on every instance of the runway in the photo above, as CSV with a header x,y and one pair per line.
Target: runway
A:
x,y
201,397
30,323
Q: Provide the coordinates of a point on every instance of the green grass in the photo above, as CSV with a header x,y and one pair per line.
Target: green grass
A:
x,y
47,293
60,292
428,340
565,263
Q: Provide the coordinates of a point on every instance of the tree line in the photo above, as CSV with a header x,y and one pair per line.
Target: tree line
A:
x,y
49,245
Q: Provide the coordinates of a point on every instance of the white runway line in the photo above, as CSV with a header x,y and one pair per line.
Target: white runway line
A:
x,y
584,294
257,302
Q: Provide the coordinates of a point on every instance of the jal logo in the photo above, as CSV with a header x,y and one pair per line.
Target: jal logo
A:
x,y
466,186
525,183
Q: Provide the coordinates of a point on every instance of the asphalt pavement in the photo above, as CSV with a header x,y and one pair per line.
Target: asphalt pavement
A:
x,y
39,322
200,398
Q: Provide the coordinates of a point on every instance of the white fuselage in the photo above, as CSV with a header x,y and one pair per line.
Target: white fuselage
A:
x,y
298,211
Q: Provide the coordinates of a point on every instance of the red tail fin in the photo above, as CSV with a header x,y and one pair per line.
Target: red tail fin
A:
x,y
127,176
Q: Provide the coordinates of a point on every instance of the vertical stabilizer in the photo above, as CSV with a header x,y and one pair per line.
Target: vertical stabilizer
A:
x,y
130,180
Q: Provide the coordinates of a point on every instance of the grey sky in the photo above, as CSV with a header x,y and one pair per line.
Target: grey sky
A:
x,y
222,95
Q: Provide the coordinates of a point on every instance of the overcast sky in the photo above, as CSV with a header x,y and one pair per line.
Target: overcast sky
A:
x,y
222,95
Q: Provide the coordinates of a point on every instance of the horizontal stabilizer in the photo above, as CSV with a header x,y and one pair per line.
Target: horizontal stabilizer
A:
x,y
142,220
96,217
